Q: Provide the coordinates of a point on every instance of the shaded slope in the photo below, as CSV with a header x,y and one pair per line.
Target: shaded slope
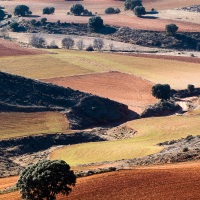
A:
x,y
83,110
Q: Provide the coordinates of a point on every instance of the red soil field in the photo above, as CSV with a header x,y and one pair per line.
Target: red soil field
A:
x,y
8,48
128,89
165,182
178,58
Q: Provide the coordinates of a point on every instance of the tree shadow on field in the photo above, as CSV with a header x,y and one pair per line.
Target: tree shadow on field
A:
x,y
107,30
32,16
148,17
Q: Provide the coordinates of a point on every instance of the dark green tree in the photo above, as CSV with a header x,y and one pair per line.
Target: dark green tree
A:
x,y
171,29
22,10
77,9
45,180
95,23
48,10
190,88
2,14
161,91
139,11
131,4
14,26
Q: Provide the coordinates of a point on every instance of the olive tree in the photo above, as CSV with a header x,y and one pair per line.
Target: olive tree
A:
x,y
46,179
48,10
67,42
22,10
161,91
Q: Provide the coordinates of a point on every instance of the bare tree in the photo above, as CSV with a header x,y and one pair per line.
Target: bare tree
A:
x,y
67,42
38,42
4,33
80,44
98,44
111,46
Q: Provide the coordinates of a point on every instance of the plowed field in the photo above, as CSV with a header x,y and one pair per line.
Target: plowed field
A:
x,y
171,182
128,89
8,48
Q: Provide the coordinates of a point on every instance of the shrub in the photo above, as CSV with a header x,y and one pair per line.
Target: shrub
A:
x,y
14,26
2,14
90,48
45,179
87,13
98,44
38,42
131,4
48,10
95,23
43,20
161,91
139,11
22,10
111,10
52,45
171,29
33,22
80,44
185,149
190,88
67,42
77,9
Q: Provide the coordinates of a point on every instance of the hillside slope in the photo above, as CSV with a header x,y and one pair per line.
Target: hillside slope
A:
x,y
82,109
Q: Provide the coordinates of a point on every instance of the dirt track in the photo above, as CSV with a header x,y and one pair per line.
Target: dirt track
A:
x,y
128,89
8,48
171,182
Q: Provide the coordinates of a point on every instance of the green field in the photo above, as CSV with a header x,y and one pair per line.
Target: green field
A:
x,y
22,124
150,132
63,63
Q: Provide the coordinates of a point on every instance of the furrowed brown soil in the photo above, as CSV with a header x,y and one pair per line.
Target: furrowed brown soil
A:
x,y
128,89
8,48
171,182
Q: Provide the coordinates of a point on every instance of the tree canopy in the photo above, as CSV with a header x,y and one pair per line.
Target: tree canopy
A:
x,y
2,14
77,9
22,10
131,4
171,28
45,180
161,91
95,23
139,11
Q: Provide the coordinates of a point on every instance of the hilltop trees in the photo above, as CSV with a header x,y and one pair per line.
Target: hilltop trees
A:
x,y
22,10
131,4
95,23
171,29
45,179
161,91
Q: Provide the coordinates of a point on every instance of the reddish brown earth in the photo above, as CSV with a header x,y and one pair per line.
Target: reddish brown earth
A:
x,y
128,89
8,48
166,57
165,182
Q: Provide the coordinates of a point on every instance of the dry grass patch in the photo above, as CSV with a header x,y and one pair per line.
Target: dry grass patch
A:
x,y
150,132
15,124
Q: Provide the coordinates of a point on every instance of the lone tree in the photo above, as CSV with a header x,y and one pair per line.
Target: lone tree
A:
x,y
38,42
139,11
190,88
22,10
2,14
48,10
131,4
161,91
171,29
77,9
98,44
67,42
45,180
80,44
95,23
